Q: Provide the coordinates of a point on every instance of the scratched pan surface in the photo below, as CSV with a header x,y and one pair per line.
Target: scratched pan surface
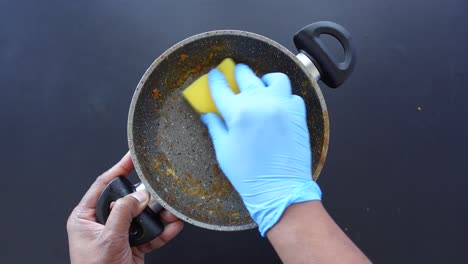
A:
x,y
171,148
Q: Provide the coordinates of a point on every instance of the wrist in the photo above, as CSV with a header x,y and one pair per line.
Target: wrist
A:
x,y
268,212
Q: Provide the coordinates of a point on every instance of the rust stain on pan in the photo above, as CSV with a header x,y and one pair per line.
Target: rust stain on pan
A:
x,y
219,186
217,47
197,68
183,56
202,195
155,93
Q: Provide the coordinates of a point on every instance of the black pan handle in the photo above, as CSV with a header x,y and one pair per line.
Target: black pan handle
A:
x,y
144,227
308,42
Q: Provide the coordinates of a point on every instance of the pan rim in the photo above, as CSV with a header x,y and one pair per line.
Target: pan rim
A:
x,y
148,73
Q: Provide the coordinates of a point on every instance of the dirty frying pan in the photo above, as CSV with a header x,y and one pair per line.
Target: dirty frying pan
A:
x,y
170,147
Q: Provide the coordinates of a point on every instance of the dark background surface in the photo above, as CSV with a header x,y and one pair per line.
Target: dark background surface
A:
x,y
395,177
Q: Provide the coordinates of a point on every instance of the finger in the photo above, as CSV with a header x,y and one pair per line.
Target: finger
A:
x,y
299,105
122,168
167,216
220,92
124,210
278,82
215,125
170,231
246,78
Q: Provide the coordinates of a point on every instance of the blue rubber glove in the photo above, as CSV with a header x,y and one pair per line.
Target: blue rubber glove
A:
x,y
262,145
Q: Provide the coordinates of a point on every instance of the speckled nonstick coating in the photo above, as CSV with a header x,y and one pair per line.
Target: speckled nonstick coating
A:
x,y
171,148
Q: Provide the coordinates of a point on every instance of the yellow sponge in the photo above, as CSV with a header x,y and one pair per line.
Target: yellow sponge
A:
x,y
198,93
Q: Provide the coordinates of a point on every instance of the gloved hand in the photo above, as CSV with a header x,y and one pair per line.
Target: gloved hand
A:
x,y
262,145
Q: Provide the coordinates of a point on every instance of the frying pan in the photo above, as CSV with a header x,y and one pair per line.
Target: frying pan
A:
x,y
171,149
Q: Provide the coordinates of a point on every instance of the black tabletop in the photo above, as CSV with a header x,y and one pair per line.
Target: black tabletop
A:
x,y
396,173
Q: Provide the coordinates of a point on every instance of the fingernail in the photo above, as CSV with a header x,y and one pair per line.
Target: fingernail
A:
x,y
141,196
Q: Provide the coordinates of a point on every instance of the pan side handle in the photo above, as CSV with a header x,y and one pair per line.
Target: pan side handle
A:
x,y
144,227
308,43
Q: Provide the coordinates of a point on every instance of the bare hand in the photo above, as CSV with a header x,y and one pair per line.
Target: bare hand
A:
x,y
91,242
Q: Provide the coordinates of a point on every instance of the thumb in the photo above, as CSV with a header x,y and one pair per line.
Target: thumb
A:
x,y
124,210
215,125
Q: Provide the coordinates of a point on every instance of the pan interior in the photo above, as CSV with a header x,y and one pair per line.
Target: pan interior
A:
x,y
171,148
